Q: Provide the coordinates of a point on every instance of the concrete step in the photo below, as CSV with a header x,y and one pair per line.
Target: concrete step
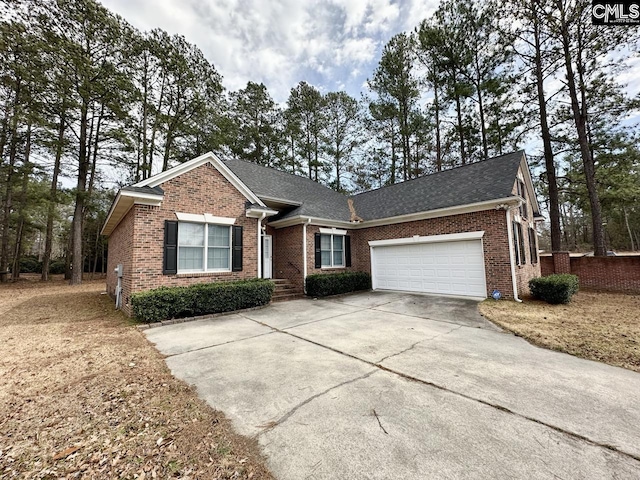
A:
x,y
283,297
284,287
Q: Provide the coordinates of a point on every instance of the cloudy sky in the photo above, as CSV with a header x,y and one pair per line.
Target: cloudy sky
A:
x,y
333,44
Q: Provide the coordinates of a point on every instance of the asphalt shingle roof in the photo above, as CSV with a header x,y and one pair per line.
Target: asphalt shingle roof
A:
x,y
315,200
476,182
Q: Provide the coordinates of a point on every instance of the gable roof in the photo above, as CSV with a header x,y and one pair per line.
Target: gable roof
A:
x,y
307,198
470,187
478,182
208,157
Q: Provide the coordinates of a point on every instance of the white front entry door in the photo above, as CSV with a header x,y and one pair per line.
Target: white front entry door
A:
x,y
267,256
450,268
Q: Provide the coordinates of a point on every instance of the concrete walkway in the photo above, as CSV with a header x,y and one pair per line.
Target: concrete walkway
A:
x,y
390,385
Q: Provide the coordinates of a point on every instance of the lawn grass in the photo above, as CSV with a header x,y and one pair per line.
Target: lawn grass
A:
x,y
597,326
84,394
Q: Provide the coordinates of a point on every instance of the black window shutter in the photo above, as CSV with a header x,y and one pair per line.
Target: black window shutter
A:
x,y
236,249
170,261
533,249
347,251
514,232
523,255
318,251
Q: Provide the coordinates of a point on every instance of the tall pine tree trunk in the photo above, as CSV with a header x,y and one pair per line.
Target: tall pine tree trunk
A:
x,y
436,104
463,154
554,208
8,195
53,198
580,120
17,255
77,225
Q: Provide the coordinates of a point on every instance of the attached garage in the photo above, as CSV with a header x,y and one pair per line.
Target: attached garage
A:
x,y
439,264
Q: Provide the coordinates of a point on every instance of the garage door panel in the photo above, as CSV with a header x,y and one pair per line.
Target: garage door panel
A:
x,y
452,268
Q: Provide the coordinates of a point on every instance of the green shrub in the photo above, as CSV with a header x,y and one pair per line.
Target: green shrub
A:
x,y
176,302
30,265
554,289
322,285
57,266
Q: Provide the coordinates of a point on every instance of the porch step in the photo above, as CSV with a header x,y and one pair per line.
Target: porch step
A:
x,y
283,297
285,290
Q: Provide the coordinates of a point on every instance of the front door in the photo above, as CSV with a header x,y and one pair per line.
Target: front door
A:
x,y
267,254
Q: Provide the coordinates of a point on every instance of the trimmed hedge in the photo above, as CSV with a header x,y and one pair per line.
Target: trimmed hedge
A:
x,y
165,303
322,285
554,289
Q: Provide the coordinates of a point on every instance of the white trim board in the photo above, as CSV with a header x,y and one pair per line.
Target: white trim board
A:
x,y
450,237
332,231
204,218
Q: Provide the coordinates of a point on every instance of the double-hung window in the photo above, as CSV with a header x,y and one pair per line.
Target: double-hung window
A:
x,y
332,250
204,247
522,192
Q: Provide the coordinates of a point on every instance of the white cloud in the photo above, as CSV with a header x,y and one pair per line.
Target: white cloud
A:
x,y
331,43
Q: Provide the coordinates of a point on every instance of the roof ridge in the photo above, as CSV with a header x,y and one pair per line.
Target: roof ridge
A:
x,y
457,167
283,172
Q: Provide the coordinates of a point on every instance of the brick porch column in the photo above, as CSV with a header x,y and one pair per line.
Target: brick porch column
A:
x,y
561,262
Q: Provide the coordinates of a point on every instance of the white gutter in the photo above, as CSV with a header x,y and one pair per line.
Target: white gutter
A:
x,y
304,254
264,214
511,256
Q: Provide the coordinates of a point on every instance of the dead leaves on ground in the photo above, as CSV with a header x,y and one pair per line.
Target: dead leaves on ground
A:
x,y
89,397
595,325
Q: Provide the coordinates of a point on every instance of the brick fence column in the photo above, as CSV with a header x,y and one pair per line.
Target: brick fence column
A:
x,y
561,262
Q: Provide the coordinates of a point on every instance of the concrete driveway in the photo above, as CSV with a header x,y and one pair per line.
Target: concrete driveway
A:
x,y
390,385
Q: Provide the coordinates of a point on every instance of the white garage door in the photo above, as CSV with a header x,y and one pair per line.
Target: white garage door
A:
x,y
450,268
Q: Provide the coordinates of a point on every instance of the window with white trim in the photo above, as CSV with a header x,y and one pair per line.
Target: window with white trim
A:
x,y
332,250
204,247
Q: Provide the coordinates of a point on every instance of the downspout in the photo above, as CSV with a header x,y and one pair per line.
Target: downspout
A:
x,y
511,256
304,254
264,214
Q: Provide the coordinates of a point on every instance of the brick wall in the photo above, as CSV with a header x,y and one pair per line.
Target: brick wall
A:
x,y
614,274
495,242
287,248
528,269
546,265
199,191
287,254
121,251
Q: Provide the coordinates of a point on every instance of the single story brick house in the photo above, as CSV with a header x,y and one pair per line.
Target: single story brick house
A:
x,y
465,232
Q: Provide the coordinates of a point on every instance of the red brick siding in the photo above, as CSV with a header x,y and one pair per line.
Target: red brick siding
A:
x,y
287,254
199,191
614,274
495,242
121,251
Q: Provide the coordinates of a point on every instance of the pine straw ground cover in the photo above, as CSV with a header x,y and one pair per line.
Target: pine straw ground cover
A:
x,y
83,394
597,326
